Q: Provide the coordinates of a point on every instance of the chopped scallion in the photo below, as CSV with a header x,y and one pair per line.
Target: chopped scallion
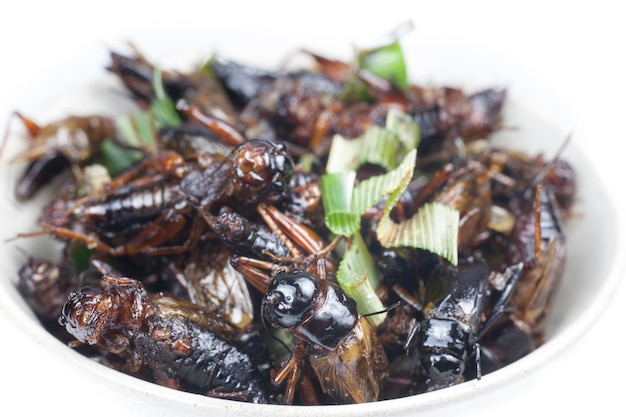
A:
x,y
164,110
358,277
387,62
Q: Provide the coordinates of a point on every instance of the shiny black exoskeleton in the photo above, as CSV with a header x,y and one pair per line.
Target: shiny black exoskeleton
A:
x,y
178,343
340,345
459,307
258,170
152,208
295,301
247,238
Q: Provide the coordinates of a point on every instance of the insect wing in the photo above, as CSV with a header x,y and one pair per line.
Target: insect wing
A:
x,y
458,293
537,291
217,286
168,306
355,370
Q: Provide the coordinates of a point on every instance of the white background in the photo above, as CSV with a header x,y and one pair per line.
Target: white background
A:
x,y
575,49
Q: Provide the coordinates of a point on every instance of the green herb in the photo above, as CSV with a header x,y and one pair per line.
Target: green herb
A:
x,y
358,277
377,146
207,67
380,146
138,131
387,62
344,203
337,189
434,227
405,128
163,108
117,159
79,255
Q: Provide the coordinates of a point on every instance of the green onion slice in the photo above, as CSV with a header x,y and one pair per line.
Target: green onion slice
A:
x,y
358,277
434,227
377,146
387,62
164,110
139,129
384,147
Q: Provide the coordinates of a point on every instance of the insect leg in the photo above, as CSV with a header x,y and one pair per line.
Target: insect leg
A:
x,y
479,373
512,275
253,271
291,370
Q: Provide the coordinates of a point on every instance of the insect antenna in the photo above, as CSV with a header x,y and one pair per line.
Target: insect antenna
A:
x,y
385,310
544,171
411,336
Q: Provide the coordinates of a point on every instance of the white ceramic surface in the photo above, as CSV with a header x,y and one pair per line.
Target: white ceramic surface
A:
x,y
560,63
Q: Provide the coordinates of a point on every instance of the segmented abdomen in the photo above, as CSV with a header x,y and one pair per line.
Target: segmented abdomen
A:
x,y
128,208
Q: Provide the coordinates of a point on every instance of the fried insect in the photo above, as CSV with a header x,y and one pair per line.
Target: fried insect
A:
x,y
458,310
303,199
192,141
56,146
540,195
340,345
246,238
200,98
138,212
446,114
537,241
308,108
258,170
44,284
177,341
212,283
195,87
220,128
520,171
146,209
208,213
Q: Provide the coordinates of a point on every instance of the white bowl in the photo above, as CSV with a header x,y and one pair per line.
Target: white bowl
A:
x,y
539,102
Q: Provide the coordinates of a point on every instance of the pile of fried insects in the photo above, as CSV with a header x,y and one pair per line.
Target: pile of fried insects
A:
x,y
330,234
